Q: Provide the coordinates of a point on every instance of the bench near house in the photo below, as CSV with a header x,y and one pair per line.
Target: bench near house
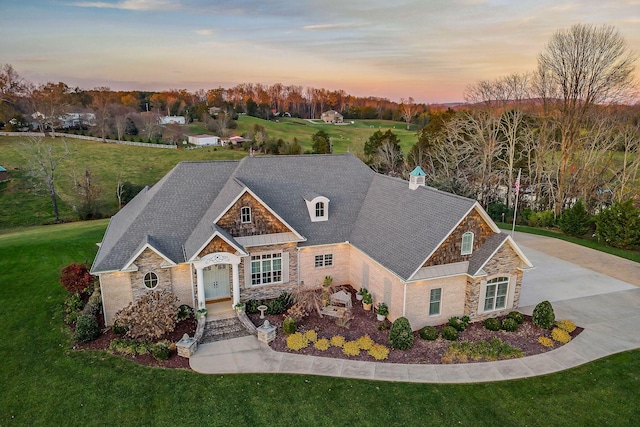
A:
x,y
218,232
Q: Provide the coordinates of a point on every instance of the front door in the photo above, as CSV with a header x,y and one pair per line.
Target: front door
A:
x,y
216,282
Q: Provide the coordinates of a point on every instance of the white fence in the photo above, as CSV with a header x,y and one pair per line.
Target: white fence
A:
x,y
91,138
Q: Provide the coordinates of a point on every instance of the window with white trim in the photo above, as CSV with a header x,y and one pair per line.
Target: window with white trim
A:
x,y
319,209
467,243
266,268
325,260
435,297
496,294
245,214
150,280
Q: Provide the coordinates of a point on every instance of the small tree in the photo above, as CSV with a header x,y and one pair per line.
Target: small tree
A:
x,y
576,221
321,143
619,225
543,315
76,278
152,316
401,335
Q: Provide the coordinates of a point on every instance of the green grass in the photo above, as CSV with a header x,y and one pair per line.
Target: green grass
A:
x,y
45,382
589,243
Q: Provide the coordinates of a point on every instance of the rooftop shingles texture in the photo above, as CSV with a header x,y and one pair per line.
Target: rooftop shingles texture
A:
x,y
167,213
484,252
400,227
380,215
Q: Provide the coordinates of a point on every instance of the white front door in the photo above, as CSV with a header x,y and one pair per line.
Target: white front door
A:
x,y
216,282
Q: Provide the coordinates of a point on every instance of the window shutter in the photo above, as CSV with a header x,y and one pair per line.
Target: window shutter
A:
x,y
247,271
285,267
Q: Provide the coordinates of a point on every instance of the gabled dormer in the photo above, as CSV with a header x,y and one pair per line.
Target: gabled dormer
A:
x,y
318,207
417,178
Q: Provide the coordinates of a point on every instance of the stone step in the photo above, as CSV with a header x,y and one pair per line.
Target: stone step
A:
x,y
224,329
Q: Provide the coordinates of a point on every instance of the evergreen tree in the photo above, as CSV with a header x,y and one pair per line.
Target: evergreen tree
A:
x,y
619,225
576,221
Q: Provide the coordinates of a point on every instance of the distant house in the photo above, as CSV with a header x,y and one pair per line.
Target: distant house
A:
x,y
172,120
204,140
332,116
67,120
215,233
3,174
237,140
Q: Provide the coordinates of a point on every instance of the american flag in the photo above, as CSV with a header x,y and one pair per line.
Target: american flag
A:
x,y
517,184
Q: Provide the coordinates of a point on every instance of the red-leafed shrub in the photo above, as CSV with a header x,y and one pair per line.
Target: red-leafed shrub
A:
x,y
76,278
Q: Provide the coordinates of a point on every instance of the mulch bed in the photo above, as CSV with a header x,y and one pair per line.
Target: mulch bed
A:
x,y
187,326
426,352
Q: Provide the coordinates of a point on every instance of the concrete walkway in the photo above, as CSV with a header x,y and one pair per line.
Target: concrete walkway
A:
x,y
599,292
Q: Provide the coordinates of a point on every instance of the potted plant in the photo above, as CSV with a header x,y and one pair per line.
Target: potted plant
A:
x,y
367,301
361,293
202,313
382,311
239,307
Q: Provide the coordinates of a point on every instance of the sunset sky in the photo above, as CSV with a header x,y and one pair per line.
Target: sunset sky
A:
x,y
427,49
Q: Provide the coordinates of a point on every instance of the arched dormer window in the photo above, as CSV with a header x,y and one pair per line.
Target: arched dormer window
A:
x,y
318,207
467,243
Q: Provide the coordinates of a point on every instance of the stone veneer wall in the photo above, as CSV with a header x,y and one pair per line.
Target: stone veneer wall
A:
x,y
451,248
504,263
217,245
149,261
262,221
269,291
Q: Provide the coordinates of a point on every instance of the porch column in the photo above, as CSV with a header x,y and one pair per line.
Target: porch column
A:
x,y
200,286
236,282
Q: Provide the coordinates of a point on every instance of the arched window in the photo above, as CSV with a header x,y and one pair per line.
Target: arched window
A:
x,y
150,280
496,294
245,214
319,209
467,243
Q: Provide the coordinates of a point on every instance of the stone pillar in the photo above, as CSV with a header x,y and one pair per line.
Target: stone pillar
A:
x,y
200,286
236,282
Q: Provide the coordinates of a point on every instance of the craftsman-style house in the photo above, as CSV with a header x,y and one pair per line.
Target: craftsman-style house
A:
x,y
218,232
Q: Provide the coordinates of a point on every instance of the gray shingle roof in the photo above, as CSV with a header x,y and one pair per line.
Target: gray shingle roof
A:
x,y
484,252
380,215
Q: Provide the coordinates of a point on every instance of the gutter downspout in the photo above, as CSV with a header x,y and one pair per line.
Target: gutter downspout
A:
x,y
404,301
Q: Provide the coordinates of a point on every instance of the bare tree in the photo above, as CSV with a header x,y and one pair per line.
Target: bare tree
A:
x,y
388,159
407,109
102,104
43,159
49,102
580,68
11,84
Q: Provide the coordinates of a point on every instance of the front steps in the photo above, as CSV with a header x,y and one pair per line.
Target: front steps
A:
x,y
224,328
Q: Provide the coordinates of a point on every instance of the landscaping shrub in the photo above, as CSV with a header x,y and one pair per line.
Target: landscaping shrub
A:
x,y
492,324
542,219
152,316
495,349
351,348
449,333
289,325
365,342
385,325
118,329
566,325
619,225
379,352
401,335
543,315
76,278
576,221
459,323
185,312
517,316
251,306
297,341
429,333
337,341
545,341
560,335
311,335
94,305
509,325
297,311
73,306
279,305
160,350
87,328
322,344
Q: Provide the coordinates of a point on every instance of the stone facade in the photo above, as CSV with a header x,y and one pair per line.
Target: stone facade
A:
x,y
262,221
451,249
268,291
150,261
217,244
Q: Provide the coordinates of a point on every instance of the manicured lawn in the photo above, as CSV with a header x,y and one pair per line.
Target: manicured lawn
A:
x,y
589,243
45,382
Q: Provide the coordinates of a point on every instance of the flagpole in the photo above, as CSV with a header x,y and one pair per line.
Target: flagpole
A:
x,y
515,207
